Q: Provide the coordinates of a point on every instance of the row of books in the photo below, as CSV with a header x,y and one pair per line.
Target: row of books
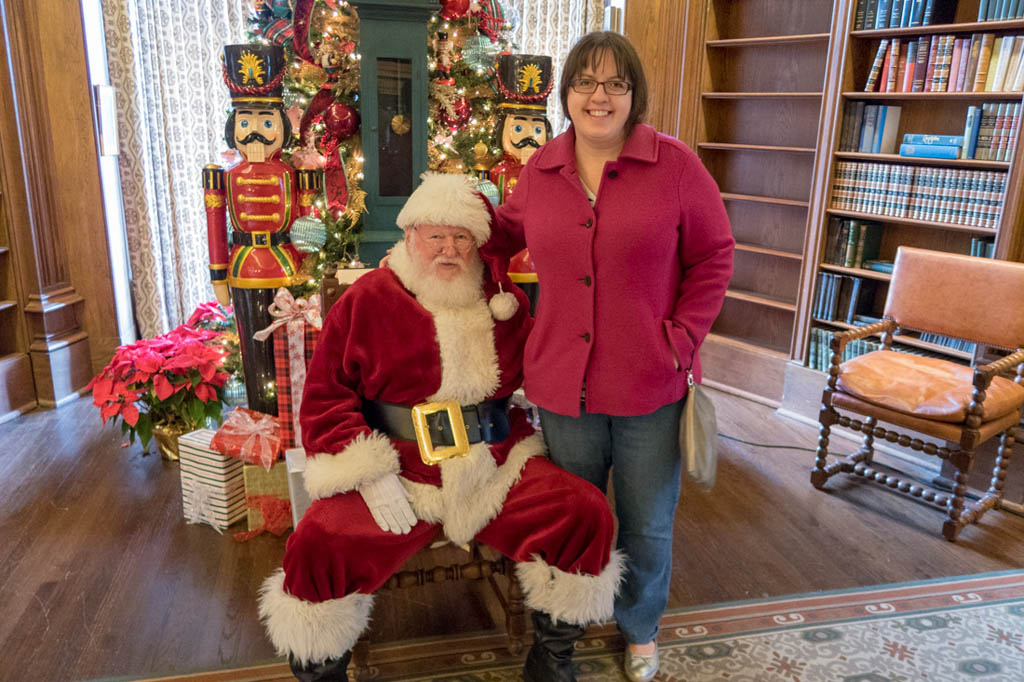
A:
x,y
1000,10
869,128
990,131
948,341
819,355
946,63
985,248
876,14
851,243
842,297
947,195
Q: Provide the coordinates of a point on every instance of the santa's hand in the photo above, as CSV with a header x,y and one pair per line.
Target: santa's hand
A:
x,y
389,504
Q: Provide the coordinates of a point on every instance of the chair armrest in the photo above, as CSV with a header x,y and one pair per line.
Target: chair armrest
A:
x,y
840,339
983,377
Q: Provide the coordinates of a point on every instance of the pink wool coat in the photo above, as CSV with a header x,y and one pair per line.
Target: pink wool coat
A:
x,y
629,287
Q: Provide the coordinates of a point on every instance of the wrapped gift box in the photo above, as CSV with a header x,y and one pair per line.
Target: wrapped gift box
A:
x,y
212,485
260,485
295,460
290,386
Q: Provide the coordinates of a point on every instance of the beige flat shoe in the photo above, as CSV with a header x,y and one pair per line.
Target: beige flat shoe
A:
x,y
640,668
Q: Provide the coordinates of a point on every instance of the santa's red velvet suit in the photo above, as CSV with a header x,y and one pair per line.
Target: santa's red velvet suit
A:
x,y
382,343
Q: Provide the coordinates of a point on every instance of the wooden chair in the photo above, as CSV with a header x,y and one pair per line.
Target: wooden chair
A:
x,y
976,299
444,561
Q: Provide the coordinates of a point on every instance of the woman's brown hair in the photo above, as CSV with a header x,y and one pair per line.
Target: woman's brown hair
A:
x,y
589,51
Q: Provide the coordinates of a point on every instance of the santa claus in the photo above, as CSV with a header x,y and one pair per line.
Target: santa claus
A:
x,y
407,424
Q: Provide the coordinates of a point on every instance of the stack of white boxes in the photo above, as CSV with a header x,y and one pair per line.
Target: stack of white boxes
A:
x,y
212,486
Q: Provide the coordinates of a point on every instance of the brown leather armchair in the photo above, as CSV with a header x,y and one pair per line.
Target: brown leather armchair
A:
x,y
977,299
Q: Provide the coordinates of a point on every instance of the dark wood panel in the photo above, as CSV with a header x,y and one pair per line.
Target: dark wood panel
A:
x,y
894,236
757,324
764,274
743,368
757,122
753,18
772,174
771,226
768,68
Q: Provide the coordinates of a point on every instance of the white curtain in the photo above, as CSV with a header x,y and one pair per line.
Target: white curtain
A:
x,y
552,27
164,60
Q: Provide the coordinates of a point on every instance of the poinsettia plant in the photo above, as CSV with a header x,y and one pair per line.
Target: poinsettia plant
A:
x,y
174,380
221,319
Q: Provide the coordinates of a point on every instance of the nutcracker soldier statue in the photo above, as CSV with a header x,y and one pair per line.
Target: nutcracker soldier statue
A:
x,y
524,81
262,196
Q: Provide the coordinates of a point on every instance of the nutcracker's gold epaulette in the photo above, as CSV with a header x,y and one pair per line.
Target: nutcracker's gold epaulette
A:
x,y
310,179
213,177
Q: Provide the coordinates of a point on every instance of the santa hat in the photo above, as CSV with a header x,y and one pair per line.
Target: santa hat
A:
x,y
450,199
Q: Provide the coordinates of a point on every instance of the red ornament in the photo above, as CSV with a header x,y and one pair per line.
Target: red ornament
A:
x,y
461,111
341,120
454,9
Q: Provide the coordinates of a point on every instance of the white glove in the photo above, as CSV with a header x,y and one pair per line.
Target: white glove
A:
x,y
389,504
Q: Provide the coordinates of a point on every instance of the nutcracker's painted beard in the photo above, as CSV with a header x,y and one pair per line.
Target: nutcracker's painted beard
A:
x,y
257,133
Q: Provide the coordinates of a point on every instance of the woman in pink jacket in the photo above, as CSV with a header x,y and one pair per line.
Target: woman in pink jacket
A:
x,y
633,253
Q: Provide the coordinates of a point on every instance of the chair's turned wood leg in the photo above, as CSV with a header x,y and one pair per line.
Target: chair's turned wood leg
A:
x,y
818,473
867,449
515,618
1006,442
955,522
360,659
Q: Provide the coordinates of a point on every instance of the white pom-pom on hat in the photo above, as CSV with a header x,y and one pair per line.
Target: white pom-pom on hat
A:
x,y
503,305
447,199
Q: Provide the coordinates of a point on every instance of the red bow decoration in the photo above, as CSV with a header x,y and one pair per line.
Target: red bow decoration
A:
x,y
277,516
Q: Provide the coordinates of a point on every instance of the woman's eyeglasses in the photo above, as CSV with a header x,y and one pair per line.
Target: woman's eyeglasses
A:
x,y
587,86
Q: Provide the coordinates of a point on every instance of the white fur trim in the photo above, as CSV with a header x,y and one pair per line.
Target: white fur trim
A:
x,y
473,489
572,597
447,199
503,306
365,458
311,632
469,361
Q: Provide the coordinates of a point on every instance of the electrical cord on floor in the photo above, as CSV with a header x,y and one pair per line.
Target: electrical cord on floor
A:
x,y
969,495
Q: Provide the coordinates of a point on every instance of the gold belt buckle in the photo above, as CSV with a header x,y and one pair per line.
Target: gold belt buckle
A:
x,y
260,238
428,453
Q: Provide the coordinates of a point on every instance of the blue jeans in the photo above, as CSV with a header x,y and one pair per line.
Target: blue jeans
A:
x,y
643,455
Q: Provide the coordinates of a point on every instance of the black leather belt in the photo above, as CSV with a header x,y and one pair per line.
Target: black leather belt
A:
x,y
240,238
486,422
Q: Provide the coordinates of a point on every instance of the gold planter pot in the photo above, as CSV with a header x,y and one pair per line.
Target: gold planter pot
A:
x,y
166,437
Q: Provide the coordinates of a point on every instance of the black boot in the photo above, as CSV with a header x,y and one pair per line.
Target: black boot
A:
x,y
331,670
550,657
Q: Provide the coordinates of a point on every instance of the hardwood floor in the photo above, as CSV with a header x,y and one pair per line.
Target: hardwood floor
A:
x,y
100,576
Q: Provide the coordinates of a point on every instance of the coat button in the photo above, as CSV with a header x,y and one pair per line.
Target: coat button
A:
x,y
613,174
589,223
585,336
586,280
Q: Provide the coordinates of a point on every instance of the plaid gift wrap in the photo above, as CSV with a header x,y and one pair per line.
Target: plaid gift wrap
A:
x,y
212,485
267,501
296,330
287,412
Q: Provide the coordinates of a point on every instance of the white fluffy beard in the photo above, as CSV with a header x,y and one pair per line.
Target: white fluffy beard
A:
x,y
463,291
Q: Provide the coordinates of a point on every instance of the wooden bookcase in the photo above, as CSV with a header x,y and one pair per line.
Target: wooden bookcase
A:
x,y
940,113
17,391
763,68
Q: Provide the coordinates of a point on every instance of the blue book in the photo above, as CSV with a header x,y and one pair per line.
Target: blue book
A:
x,y
895,13
1012,8
867,130
983,10
1000,12
930,151
876,140
917,13
908,9
870,12
971,127
947,140
929,5
882,19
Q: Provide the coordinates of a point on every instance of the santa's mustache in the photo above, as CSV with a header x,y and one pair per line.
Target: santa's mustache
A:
x,y
254,137
526,142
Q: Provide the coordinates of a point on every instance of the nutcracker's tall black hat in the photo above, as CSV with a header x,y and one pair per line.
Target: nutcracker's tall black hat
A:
x,y
254,74
525,81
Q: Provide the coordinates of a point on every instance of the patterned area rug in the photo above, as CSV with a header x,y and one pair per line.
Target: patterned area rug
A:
x,y
967,628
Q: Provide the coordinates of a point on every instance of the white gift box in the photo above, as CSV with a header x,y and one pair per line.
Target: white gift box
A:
x,y
212,486
295,459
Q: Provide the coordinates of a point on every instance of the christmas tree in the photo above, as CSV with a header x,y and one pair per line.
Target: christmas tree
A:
x,y
321,93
